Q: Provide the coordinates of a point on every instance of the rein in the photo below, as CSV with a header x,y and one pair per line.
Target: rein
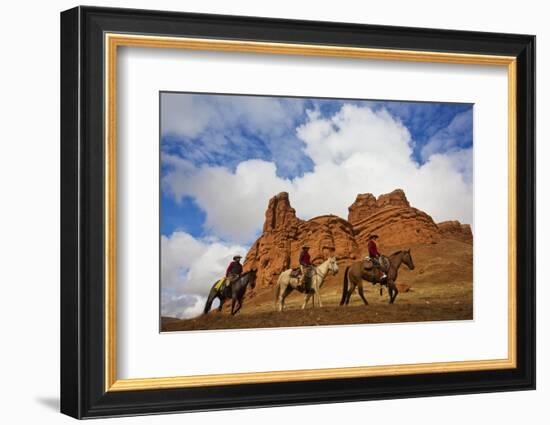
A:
x,y
318,273
398,256
243,276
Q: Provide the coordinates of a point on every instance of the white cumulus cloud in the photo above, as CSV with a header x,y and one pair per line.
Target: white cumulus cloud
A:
x,y
189,268
234,201
356,150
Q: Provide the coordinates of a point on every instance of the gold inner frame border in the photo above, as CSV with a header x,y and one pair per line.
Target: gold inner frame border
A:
x,y
113,40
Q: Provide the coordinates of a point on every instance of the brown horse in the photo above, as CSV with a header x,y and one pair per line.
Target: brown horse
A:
x,y
356,273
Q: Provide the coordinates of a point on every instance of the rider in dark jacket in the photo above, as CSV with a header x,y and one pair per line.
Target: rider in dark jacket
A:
x,y
234,270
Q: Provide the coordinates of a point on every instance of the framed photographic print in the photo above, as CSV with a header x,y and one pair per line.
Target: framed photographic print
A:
x,y
261,212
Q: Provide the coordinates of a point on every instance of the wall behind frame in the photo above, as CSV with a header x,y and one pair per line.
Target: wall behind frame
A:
x,y
29,219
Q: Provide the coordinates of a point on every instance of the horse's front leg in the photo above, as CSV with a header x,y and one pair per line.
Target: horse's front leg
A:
x,y
392,289
239,305
240,298
278,306
222,301
395,292
281,298
306,299
318,294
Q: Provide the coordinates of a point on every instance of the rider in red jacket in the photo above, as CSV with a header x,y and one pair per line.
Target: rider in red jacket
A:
x,y
373,248
374,254
305,265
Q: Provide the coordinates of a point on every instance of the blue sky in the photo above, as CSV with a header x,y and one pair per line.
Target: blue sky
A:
x,y
232,139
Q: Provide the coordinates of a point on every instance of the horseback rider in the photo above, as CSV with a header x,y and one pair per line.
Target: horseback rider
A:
x,y
234,271
305,267
374,254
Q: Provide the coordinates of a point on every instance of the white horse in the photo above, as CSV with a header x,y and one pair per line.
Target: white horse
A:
x,y
286,283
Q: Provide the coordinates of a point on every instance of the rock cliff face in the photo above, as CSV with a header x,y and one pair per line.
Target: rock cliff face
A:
x,y
390,216
455,230
278,248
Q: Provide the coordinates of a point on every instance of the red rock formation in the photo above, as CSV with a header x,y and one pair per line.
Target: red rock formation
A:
x,y
279,214
279,246
392,218
327,235
455,230
364,205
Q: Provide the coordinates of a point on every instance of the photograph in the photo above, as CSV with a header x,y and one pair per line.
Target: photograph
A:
x,y
283,211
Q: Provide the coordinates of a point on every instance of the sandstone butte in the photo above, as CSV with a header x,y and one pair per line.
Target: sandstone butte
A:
x,y
390,216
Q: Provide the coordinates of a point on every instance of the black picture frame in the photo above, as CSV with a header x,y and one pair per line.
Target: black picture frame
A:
x,y
83,392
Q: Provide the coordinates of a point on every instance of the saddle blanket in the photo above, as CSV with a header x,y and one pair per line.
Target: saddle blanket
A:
x,y
219,283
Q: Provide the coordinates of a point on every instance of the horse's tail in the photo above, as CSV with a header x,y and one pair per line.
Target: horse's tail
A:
x,y
210,299
345,287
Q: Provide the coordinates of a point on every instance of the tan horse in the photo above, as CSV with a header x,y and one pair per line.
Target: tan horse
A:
x,y
356,273
286,284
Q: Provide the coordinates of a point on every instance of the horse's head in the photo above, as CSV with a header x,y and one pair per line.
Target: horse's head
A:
x,y
407,259
333,265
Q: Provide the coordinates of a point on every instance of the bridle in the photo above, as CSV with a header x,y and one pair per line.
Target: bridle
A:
x,y
330,268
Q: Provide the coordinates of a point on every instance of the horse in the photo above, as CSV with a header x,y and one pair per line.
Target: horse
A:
x,y
356,273
286,283
235,291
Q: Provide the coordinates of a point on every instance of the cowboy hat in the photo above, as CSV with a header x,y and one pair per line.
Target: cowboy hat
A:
x,y
305,247
373,236
237,257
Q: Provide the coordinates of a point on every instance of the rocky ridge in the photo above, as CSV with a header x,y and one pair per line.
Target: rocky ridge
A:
x,y
390,216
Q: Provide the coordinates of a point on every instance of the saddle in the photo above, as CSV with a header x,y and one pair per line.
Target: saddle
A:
x,y
382,263
368,263
295,272
219,284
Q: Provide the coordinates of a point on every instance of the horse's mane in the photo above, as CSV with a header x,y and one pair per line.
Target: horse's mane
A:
x,y
396,252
